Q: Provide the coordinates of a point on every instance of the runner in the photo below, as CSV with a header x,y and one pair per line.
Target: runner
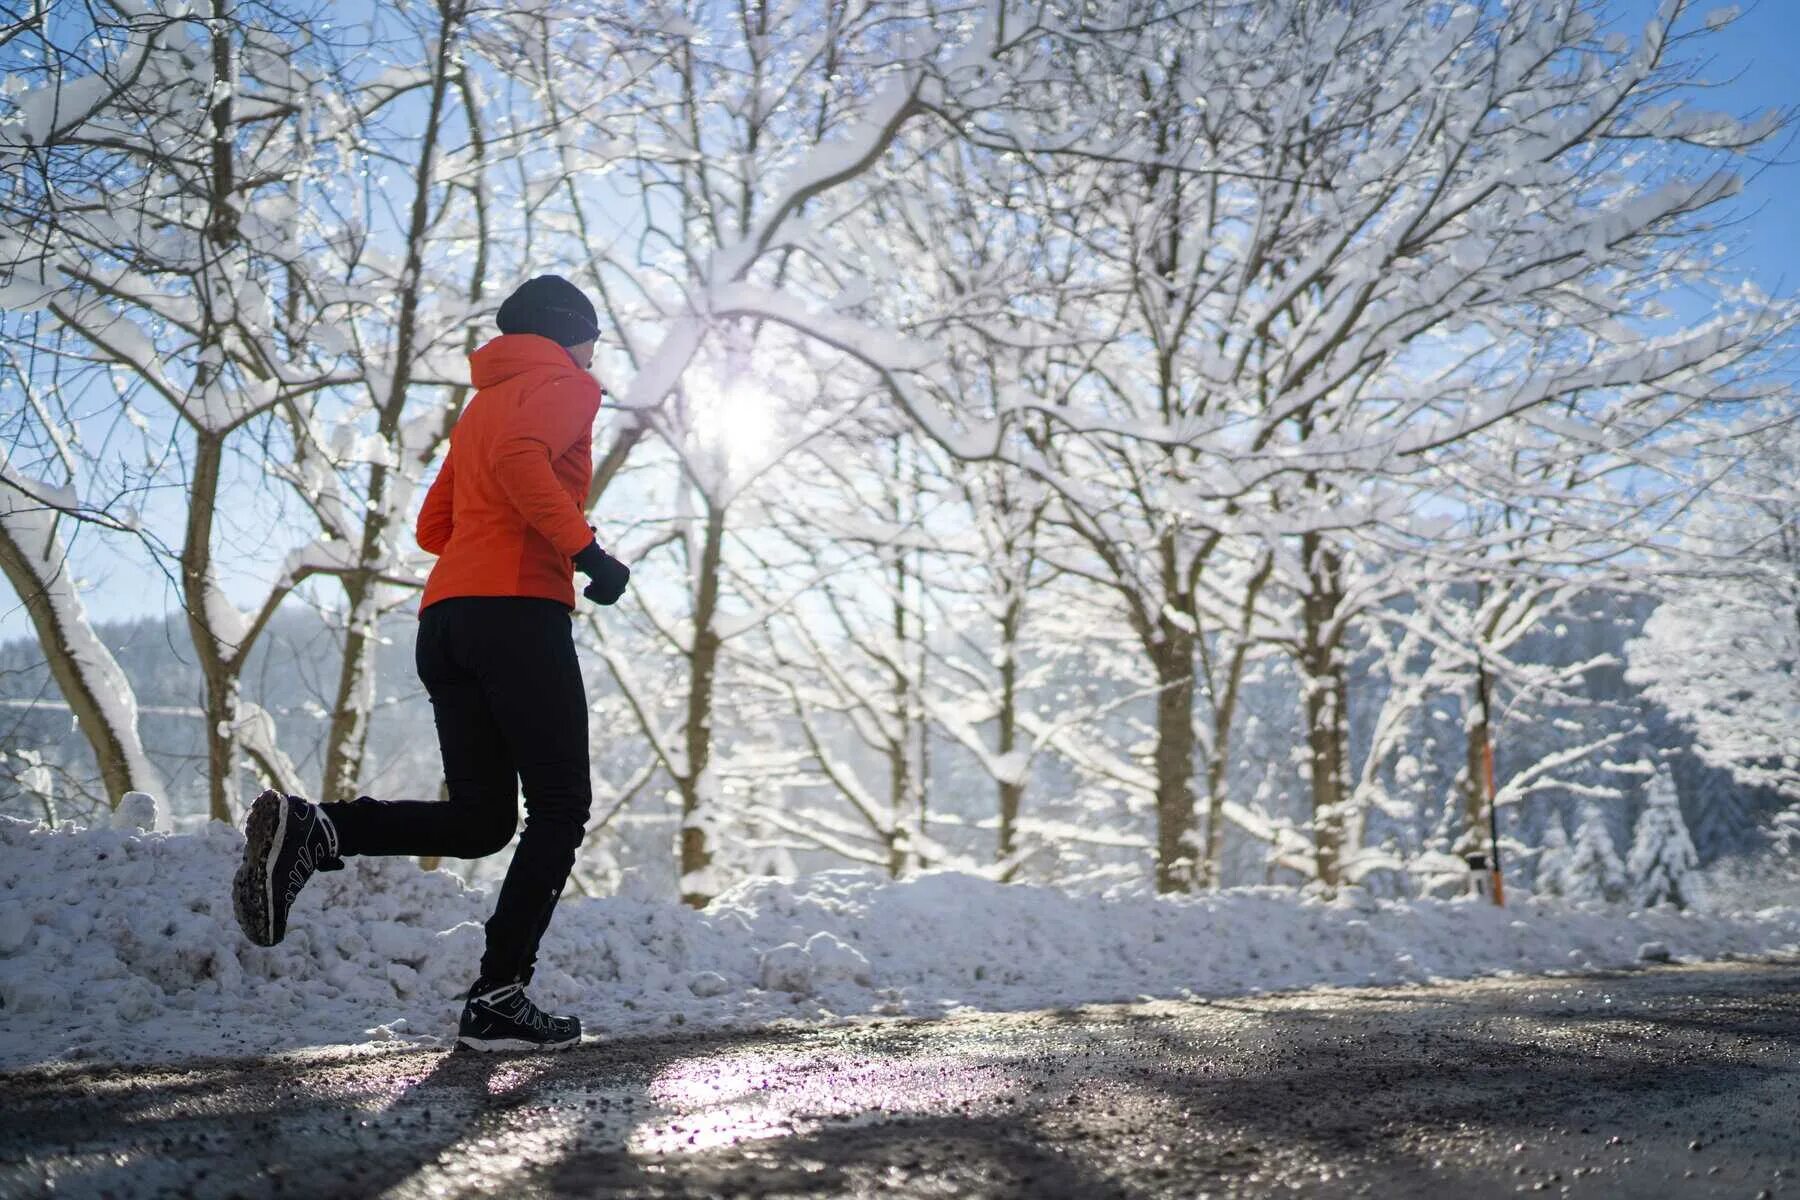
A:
x,y
496,654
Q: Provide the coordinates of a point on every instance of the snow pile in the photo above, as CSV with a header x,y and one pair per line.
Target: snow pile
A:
x,y
120,944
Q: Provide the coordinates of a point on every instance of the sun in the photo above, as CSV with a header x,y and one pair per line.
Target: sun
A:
x,y
738,420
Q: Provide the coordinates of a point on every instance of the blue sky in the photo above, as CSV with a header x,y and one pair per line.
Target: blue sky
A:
x,y
1752,66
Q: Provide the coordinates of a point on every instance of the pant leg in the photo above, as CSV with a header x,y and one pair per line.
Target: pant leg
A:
x,y
482,811
532,681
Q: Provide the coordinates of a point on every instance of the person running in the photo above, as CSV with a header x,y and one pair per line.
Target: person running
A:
x,y
496,654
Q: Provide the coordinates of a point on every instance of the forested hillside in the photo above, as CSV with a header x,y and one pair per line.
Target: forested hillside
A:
x,y
1086,830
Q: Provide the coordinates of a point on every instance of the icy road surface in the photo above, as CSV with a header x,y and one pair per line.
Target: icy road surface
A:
x,y
1675,1081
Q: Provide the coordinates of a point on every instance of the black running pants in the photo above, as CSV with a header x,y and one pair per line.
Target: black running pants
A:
x,y
510,708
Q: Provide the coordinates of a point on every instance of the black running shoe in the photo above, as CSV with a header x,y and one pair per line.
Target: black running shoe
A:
x,y
504,1019
286,839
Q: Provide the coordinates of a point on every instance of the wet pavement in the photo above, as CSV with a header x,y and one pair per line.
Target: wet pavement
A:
x,y
1674,1081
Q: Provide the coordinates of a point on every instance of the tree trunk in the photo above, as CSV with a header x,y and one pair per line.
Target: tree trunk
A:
x,y
1474,782
220,702
1012,791
1326,694
900,782
349,730
1174,661
1476,733
695,786
209,449
906,799
1217,780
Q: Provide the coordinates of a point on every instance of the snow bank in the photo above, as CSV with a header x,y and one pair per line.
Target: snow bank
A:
x,y
120,944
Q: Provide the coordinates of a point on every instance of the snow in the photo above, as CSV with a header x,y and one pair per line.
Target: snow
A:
x,y
121,945
136,811
787,968
58,107
1718,18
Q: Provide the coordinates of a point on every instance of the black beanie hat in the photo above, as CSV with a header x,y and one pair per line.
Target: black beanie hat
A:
x,y
550,306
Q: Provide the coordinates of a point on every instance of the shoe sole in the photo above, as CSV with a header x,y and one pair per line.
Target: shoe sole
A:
x,y
490,1045
253,887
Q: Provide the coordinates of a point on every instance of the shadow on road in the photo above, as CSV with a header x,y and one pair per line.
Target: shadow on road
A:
x,y
1663,1083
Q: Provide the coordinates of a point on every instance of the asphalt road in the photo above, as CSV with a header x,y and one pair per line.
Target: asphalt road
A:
x,y
1674,1081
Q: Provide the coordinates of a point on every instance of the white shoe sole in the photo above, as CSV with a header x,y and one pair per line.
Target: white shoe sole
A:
x,y
488,1045
255,897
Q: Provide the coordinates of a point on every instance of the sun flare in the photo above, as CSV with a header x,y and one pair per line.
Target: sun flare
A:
x,y
738,420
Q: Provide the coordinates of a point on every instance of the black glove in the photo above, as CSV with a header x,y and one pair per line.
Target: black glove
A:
x,y
607,574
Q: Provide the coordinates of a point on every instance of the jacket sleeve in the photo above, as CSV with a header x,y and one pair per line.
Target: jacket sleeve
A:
x,y
549,421
433,529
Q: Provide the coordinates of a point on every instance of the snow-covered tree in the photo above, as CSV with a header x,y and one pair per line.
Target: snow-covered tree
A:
x,y
1662,855
409,250
850,654
745,266
1723,816
1593,871
1722,651
1784,832
34,559
155,167
1553,860
1332,369
1421,185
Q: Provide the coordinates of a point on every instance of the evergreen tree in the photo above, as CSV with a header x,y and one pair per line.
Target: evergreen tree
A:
x,y
1594,871
1784,832
1720,814
1553,859
1662,854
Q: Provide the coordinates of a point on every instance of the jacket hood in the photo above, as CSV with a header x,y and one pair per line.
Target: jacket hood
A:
x,y
513,354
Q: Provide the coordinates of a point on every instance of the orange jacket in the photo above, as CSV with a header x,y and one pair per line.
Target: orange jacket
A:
x,y
504,516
